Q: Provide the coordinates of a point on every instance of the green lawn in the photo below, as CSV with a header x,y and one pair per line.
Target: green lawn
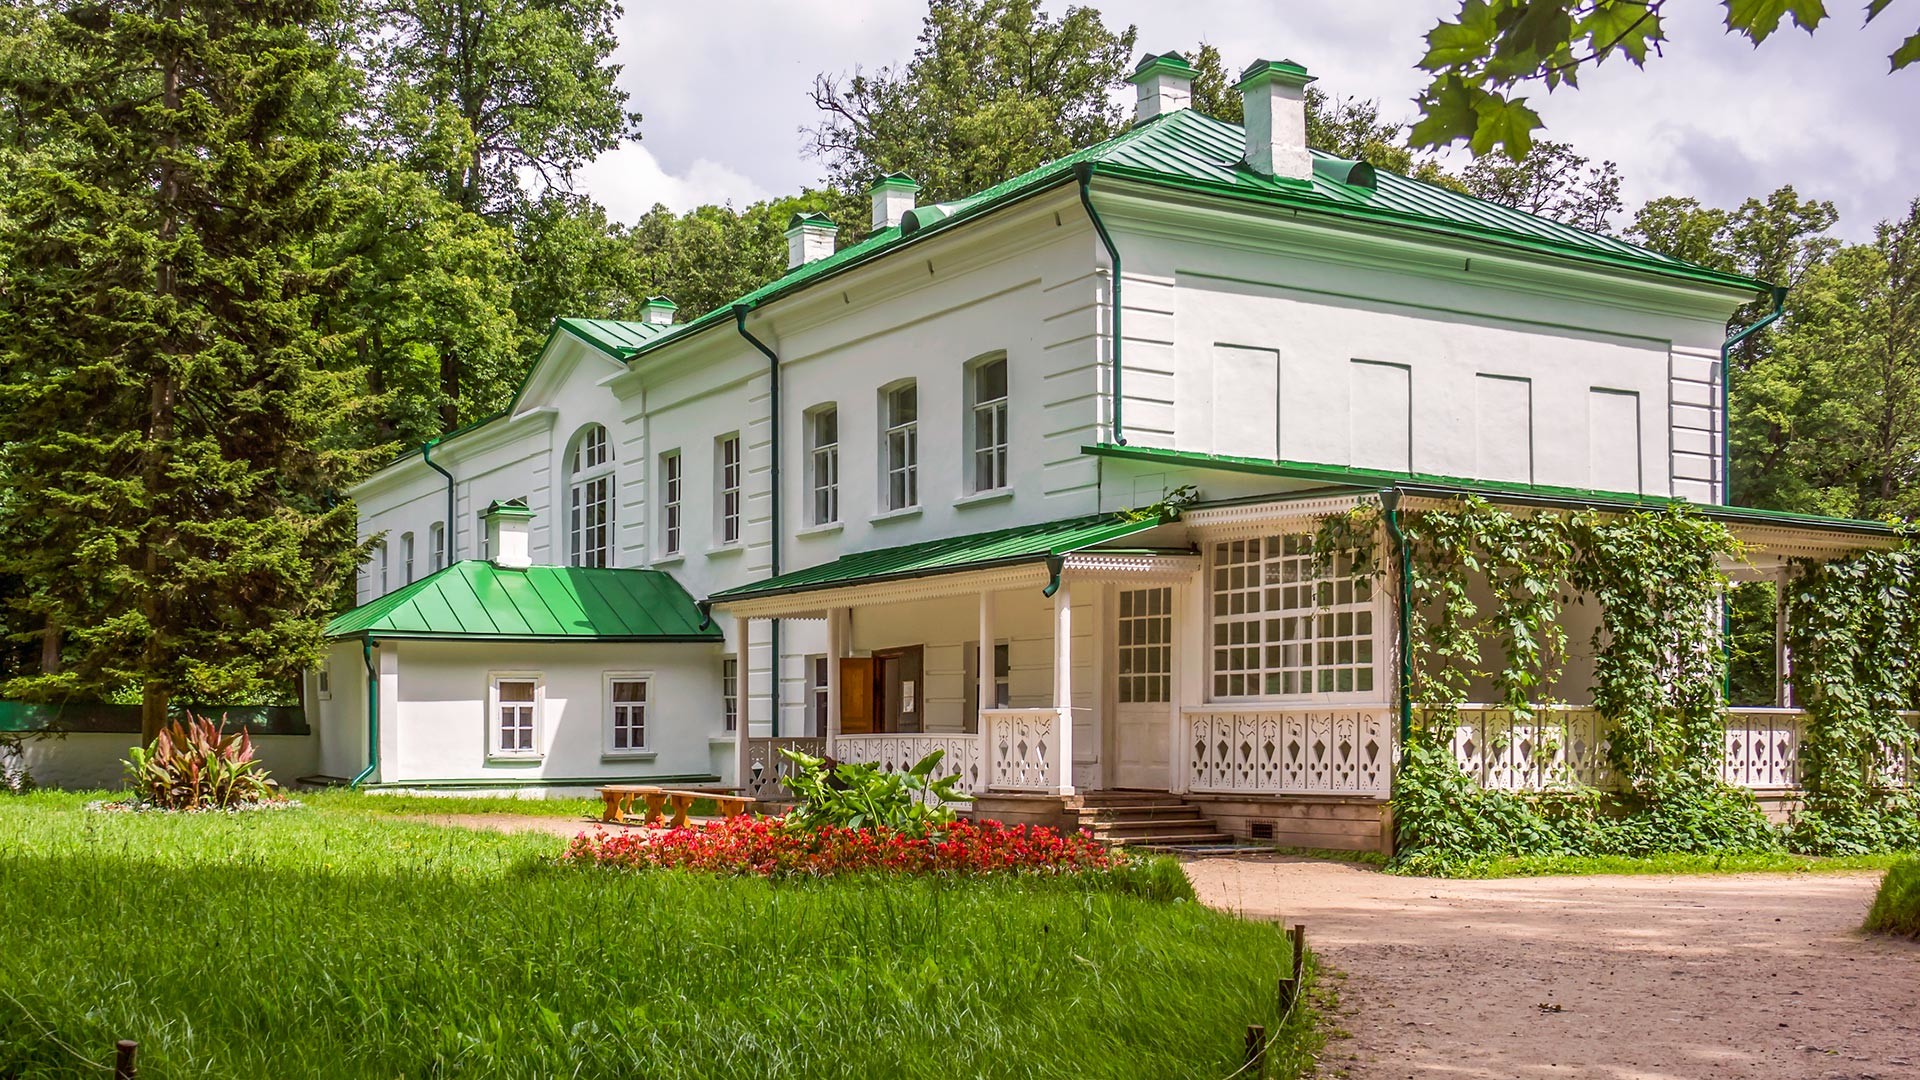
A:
x,y
340,940
1897,909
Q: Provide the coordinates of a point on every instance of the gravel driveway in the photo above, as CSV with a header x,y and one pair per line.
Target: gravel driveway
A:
x,y
1650,978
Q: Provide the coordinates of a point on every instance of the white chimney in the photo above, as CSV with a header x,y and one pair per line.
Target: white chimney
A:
x,y
809,237
658,311
1165,83
1275,96
507,526
892,198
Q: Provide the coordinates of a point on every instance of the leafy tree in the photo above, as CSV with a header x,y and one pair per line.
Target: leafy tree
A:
x,y
424,302
1491,48
995,88
1553,182
712,255
521,85
1828,420
1346,127
570,260
167,427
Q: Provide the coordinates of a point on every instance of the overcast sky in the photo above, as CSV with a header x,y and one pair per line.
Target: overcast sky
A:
x,y
723,85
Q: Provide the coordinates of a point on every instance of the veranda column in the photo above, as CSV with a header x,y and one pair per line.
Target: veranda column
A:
x,y
988,696
742,698
1063,687
836,648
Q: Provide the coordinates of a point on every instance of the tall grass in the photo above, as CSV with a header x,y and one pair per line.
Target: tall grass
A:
x,y
1896,910
324,942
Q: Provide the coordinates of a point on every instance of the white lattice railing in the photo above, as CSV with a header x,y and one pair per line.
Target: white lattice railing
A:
x,y
963,755
1557,747
768,769
1023,748
1564,744
1265,750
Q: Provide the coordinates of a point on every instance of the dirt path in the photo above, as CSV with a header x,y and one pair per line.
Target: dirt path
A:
x,y
1655,978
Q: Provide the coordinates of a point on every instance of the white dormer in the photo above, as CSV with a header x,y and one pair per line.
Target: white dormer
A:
x,y
892,197
809,238
1165,83
508,524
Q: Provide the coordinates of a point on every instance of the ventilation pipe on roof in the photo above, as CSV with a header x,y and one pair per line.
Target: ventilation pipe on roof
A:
x,y
658,311
892,196
1274,94
809,238
1165,85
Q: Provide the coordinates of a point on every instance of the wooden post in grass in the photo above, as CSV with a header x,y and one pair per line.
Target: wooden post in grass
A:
x,y
1288,991
1299,953
1256,1062
124,1052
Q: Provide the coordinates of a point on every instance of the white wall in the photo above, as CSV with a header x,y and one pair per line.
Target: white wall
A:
x,y
83,761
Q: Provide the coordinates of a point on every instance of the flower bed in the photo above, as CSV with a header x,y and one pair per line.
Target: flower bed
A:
x,y
770,848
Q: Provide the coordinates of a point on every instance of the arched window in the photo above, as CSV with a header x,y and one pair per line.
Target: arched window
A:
x,y
590,498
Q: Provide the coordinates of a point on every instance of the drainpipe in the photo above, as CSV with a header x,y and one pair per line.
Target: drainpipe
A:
x,y
773,373
426,455
1726,378
1085,171
373,714
1390,501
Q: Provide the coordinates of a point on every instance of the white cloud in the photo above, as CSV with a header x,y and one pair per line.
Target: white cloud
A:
x,y
630,181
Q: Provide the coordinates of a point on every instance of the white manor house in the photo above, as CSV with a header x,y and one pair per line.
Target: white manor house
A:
x,y
873,508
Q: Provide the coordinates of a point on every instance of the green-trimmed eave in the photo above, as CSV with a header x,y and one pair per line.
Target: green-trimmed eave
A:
x,y
1305,200
473,600
1439,486
978,551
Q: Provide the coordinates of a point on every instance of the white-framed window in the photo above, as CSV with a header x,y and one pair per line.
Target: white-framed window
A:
x,y
726,481
1145,645
484,544
900,449
514,700
1002,680
323,683
730,693
627,694
987,427
437,545
1282,630
406,558
817,668
380,555
823,464
670,493
590,498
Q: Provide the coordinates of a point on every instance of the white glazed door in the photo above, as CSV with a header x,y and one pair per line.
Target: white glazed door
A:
x,y
1143,691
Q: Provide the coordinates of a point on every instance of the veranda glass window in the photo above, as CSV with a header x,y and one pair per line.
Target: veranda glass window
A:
x,y
1281,630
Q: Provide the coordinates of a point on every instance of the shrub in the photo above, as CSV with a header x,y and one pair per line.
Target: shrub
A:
x,y
198,766
1896,910
854,796
773,847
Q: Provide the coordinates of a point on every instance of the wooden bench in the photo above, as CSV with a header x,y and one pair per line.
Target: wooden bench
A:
x,y
618,800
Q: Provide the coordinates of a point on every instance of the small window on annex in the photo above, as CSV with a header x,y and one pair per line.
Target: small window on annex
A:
x,y
626,696
1281,630
514,715
590,498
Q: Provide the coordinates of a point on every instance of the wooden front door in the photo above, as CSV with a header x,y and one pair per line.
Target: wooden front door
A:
x,y
856,695
1143,691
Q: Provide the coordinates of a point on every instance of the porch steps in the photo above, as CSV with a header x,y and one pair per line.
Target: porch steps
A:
x,y
1147,819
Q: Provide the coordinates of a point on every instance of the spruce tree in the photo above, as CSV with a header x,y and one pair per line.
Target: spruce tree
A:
x,y
167,411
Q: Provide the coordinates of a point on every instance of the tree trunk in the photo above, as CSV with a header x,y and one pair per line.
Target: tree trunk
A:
x,y
155,698
156,690
50,647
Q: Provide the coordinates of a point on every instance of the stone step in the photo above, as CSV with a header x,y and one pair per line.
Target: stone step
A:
x,y
1103,800
1108,814
1158,843
1138,829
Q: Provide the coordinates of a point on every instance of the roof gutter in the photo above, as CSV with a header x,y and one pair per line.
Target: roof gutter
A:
x,y
1085,172
1726,397
373,714
773,482
452,531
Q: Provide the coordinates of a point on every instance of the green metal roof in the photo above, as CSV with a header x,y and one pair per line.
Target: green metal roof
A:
x,y
1437,486
1005,547
478,600
617,338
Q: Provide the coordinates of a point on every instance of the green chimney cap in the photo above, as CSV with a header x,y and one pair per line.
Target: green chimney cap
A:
x,y
661,303
511,508
898,180
1171,63
812,219
1281,71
